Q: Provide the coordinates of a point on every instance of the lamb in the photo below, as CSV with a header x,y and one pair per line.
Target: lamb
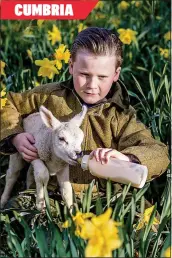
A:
x,y
58,144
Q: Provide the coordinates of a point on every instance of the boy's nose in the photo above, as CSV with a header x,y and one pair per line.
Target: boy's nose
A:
x,y
92,84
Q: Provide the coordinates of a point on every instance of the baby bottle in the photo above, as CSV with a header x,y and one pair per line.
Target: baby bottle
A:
x,y
117,170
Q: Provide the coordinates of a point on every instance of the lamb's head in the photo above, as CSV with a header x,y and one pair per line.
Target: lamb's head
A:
x,y
67,137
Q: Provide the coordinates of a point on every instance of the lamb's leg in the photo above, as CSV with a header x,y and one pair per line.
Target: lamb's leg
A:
x,y
41,175
16,163
65,186
30,177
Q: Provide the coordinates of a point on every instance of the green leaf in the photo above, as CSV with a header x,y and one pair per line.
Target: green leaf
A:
x,y
73,249
140,90
60,249
99,206
42,241
89,195
152,85
108,191
48,208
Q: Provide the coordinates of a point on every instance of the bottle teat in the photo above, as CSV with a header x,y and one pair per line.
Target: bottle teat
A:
x,y
84,162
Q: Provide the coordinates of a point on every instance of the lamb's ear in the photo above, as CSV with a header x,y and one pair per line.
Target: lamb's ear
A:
x,y
79,117
48,118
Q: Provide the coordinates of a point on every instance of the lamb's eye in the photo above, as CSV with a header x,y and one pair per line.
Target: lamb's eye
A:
x,y
62,139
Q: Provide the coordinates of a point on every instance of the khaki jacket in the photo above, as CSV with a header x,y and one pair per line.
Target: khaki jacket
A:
x,y
109,124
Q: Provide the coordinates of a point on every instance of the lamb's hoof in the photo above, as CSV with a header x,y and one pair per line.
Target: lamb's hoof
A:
x,y
2,203
41,206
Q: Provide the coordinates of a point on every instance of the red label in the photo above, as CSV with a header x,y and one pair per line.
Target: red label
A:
x,y
53,10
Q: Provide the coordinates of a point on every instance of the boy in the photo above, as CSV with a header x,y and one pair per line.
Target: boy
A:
x,y
110,126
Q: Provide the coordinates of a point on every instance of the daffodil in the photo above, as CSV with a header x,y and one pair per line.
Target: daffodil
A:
x,y
81,27
115,21
65,224
54,35
127,35
36,83
167,36
61,54
3,28
144,219
3,86
167,252
16,26
29,53
27,32
2,64
136,3
79,220
102,235
39,23
130,55
158,18
2,99
99,5
164,52
100,15
123,5
47,68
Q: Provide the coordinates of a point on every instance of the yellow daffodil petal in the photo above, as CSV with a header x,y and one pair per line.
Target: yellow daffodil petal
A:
x,y
127,35
81,27
65,224
3,102
62,47
123,5
2,93
148,211
140,225
39,23
102,235
99,220
29,52
59,64
66,56
167,36
27,31
54,35
2,66
36,84
167,252
99,5
94,247
146,217
88,230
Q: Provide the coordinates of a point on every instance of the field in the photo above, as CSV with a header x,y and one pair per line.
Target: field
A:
x,y
138,221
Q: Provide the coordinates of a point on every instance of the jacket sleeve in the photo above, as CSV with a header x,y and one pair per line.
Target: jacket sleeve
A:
x,y
135,139
18,105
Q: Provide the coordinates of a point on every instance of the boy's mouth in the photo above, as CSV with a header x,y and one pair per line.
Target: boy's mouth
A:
x,y
89,93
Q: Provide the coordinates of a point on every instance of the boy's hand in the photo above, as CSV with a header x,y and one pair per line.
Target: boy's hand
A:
x,y
104,154
24,144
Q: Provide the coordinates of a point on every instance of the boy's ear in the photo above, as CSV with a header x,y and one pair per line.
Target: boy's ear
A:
x,y
70,66
117,73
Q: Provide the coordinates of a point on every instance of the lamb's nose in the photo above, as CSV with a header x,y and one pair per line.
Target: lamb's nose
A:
x,y
79,154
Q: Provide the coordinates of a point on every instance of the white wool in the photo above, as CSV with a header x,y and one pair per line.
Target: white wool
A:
x,y
58,144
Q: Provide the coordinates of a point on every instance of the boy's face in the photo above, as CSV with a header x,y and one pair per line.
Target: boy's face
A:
x,y
93,75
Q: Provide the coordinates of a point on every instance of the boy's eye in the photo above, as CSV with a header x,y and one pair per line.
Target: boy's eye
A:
x,y
85,74
102,77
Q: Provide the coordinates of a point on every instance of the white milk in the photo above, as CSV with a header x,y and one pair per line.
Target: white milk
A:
x,y
117,170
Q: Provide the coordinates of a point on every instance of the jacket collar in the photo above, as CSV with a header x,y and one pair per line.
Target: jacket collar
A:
x,y
117,95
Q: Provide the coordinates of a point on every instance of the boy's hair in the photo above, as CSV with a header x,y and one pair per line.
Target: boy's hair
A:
x,y
98,41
